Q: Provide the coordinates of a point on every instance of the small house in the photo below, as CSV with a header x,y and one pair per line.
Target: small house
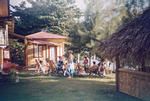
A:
x,y
43,45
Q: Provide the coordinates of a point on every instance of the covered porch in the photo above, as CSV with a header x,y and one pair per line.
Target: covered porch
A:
x,y
42,46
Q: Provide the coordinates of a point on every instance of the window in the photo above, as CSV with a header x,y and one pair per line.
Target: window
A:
x,y
6,54
52,53
38,51
3,36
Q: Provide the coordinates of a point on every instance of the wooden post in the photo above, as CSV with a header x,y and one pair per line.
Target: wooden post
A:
x,y
78,57
26,52
143,69
94,57
117,72
55,49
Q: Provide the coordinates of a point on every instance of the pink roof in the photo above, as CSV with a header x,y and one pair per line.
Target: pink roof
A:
x,y
45,35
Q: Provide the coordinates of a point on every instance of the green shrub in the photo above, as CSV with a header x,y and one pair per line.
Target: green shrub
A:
x,y
16,52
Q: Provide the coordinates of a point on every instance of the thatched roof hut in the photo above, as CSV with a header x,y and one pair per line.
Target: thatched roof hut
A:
x,y
132,40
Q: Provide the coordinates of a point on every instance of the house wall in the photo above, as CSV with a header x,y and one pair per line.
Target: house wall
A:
x,y
30,59
60,47
29,55
60,50
4,8
135,83
3,43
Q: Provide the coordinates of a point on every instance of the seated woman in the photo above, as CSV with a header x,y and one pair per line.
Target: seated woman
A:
x,y
80,69
93,68
37,65
41,65
60,63
51,66
101,69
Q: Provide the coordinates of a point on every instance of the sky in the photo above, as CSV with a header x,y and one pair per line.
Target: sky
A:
x,y
15,2
79,3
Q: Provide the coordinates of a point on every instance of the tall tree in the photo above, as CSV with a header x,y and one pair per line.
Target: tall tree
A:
x,y
103,18
52,15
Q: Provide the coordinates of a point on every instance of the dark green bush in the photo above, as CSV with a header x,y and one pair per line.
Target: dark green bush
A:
x,y
16,52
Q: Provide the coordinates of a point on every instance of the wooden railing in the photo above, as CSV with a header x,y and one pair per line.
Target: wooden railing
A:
x,y
134,83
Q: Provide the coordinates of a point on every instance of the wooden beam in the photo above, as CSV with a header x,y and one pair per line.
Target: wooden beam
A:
x,y
17,36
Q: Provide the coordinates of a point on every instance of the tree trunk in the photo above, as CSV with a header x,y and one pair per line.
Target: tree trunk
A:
x,y
117,72
143,65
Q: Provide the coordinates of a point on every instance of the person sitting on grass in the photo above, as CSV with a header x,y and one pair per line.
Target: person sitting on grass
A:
x,y
80,69
101,69
51,66
60,64
93,68
37,66
41,66
44,67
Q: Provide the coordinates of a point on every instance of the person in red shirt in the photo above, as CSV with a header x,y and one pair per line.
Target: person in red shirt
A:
x,y
85,62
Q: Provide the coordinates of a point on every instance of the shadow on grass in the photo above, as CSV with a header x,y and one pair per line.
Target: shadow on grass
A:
x,y
54,88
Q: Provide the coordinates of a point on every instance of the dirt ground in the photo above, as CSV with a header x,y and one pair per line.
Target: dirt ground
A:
x,y
52,88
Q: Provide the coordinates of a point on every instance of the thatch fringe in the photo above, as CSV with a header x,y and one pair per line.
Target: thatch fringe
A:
x,y
132,40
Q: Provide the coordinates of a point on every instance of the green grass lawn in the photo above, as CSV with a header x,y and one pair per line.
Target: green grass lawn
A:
x,y
50,88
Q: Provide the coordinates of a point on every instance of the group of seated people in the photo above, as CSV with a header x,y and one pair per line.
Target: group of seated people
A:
x,y
68,67
44,66
97,68
65,67
48,66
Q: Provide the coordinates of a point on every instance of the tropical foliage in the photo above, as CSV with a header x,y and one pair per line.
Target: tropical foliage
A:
x,y
16,52
99,21
103,19
50,15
